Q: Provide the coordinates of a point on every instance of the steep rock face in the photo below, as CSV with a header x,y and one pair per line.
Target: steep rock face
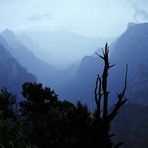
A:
x,y
34,65
130,48
139,86
12,74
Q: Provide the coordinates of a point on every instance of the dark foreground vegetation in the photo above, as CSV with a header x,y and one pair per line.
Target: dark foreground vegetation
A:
x,y
42,120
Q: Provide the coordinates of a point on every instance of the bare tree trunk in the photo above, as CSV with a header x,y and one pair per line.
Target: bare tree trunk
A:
x,y
102,94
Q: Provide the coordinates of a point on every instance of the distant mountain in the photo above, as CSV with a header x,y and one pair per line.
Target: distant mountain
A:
x,y
130,48
63,76
12,74
31,44
83,84
63,48
34,65
60,76
45,73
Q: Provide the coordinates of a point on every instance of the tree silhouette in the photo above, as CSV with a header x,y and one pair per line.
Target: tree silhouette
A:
x,y
103,117
7,102
34,110
49,122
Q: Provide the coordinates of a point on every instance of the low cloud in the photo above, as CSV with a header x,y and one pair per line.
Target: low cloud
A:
x,y
141,14
138,2
38,17
34,17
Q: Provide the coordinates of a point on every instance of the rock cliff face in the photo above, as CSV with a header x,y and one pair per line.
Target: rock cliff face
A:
x,y
132,48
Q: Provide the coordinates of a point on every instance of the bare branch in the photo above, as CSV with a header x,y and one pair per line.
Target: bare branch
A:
x,y
98,93
103,52
111,65
121,99
100,56
106,49
101,92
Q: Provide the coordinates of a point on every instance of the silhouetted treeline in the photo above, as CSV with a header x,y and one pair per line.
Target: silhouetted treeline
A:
x,y
43,120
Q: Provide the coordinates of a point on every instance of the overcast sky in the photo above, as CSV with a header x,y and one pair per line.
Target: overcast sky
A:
x,y
106,18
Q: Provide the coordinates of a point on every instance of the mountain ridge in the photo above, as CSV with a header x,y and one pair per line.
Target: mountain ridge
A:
x,y
130,48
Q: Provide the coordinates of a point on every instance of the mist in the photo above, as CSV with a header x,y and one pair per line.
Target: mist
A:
x,y
69,30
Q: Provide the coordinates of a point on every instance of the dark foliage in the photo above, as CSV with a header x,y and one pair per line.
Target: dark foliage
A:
x,y
7,102
49,122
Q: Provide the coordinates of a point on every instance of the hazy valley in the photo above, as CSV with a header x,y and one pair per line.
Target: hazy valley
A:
x,y
20,61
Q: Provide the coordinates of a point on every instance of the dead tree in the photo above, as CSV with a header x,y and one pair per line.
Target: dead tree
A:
x,y
101,98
